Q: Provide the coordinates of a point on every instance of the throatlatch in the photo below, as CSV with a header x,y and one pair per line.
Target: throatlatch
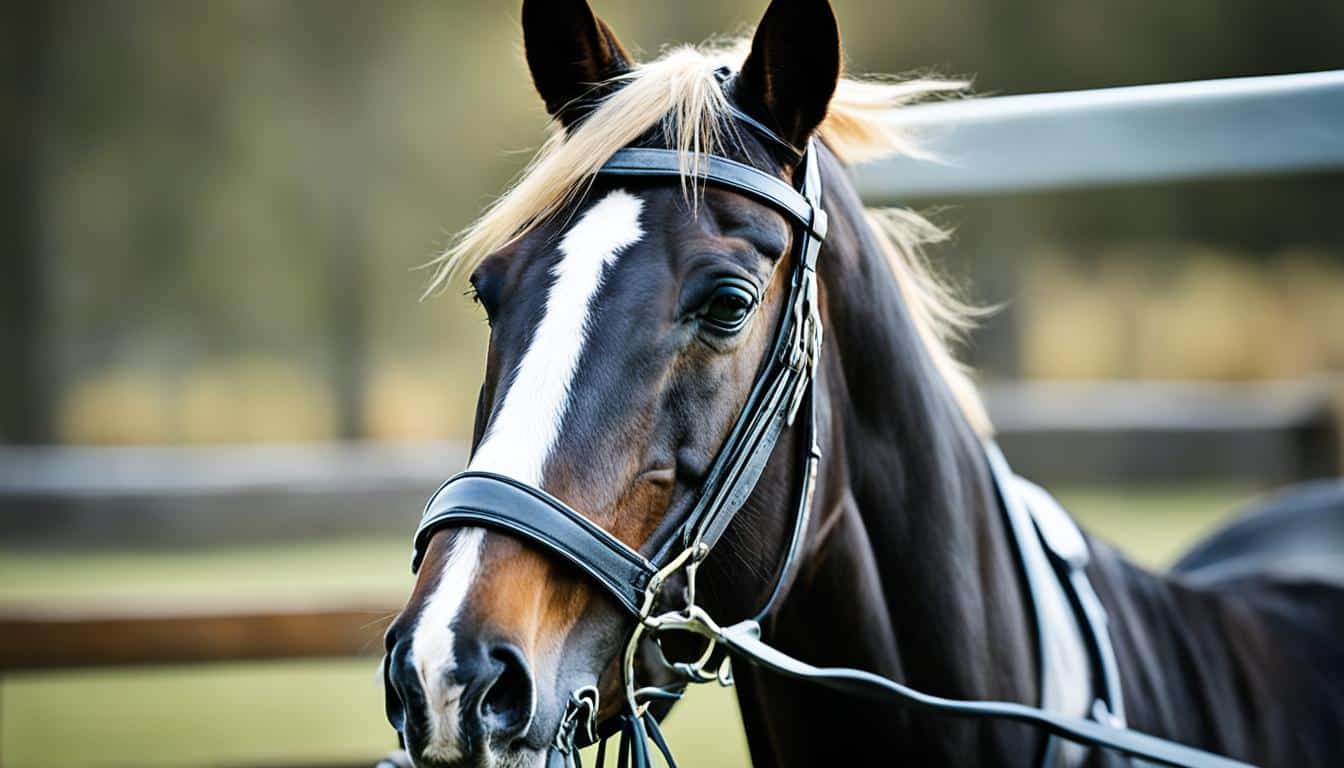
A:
x,y
637,582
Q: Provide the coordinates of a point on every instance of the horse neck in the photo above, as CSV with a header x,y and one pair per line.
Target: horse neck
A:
x,y
908,555
915,469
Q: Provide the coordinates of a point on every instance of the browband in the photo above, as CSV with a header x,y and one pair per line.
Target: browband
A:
x,y
722,172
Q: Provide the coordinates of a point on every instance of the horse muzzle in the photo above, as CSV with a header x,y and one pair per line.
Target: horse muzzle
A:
x,y
468,714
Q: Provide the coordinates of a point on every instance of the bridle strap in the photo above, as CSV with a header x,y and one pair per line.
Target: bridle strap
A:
x,y
502,503
743,640
788,375
719,171
802,512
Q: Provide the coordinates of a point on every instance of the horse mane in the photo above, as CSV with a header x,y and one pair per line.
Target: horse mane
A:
x,y
680,93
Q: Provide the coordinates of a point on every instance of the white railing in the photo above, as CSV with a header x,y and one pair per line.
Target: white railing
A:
x,y
1149,133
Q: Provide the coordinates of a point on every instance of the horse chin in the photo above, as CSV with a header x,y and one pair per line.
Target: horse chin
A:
x,y
519,756
529,750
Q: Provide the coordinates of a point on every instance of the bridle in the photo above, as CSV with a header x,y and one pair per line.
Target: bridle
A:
x,y
783,390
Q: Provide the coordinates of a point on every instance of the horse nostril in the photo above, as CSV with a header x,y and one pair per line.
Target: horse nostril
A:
x,y
399,685
506,705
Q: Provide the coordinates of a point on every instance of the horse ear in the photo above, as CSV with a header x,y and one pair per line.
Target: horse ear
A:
x,y
790,75
569,51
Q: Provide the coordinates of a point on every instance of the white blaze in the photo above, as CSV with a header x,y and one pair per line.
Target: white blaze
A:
x,y
522,435
525,429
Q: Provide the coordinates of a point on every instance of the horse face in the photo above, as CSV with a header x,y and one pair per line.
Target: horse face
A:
x,y
624,341
626,332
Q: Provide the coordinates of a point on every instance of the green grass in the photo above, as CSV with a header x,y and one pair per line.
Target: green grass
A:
x,y
223,714
286,713
1153,525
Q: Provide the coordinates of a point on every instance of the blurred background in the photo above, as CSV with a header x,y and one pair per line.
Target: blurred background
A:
x,y
223,402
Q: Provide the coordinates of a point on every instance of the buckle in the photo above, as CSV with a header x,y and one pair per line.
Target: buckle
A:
x,y
806,342
713,664
820,224
690,559
578,725
1102,714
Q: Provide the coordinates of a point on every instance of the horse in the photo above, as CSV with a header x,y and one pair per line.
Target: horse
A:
x,y
630,317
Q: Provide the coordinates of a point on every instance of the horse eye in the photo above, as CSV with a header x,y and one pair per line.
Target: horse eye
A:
x,y
729,307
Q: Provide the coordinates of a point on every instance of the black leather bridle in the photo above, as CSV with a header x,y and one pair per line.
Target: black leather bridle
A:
x,y
636,580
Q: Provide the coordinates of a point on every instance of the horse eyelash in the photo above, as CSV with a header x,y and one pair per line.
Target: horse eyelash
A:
x,y
475,297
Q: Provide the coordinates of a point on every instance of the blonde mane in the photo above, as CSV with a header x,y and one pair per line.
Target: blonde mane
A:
x,y
680,92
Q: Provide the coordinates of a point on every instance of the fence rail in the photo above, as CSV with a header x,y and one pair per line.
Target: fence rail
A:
x,y
1081,432
1146,432
71,636
1149,133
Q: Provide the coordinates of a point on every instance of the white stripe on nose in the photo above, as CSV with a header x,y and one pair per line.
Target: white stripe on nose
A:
x,y
522,436
432,644
525,429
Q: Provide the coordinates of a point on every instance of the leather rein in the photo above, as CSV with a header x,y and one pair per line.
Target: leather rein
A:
x,y
636,581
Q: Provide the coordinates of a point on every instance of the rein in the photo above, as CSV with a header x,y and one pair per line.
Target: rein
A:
x,y
636,581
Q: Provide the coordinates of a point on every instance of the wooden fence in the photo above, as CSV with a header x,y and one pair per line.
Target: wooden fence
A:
x,y
40,637
73,636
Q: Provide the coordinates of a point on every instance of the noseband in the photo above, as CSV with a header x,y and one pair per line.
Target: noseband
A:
x,y
636,580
